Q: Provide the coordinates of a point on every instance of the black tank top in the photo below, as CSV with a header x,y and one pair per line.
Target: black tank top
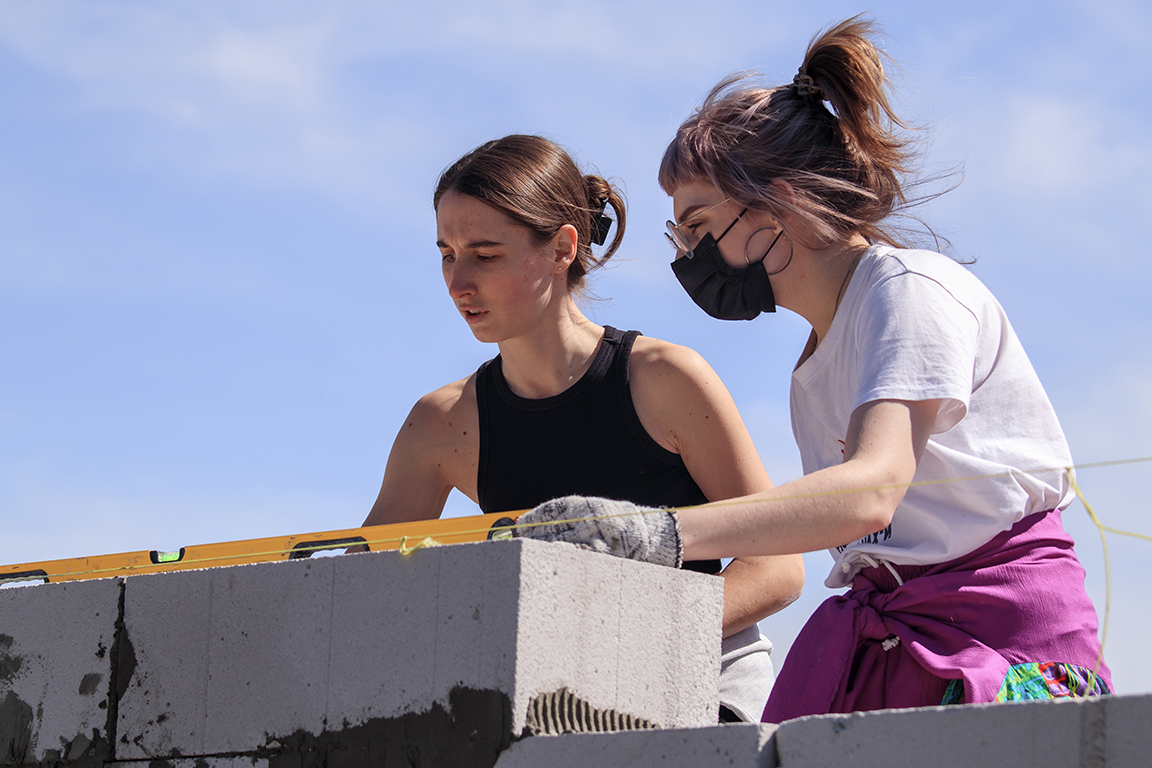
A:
x,y
587,440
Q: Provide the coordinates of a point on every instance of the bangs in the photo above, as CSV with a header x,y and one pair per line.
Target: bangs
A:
x,y
729,115
681,163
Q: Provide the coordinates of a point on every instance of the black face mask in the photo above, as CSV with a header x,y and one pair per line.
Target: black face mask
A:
x,y
722,291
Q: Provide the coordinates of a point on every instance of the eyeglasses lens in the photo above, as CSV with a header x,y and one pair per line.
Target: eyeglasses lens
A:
x,y
675,239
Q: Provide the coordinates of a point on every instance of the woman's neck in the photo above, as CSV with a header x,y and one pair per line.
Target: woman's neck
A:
x,y
553,357
821,278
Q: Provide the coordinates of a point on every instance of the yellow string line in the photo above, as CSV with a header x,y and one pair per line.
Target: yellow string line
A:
x,y
1107,575
406,550
401,539
889,486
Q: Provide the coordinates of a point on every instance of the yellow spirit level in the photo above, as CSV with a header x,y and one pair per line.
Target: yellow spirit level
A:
x,y
400,536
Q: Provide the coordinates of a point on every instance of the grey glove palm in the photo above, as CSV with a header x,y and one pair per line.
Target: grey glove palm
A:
x,y
618,528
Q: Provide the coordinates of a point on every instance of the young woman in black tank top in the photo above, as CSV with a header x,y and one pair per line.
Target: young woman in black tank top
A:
x,y
515,221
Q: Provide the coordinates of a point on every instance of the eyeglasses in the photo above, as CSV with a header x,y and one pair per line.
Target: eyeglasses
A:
x,y
678,239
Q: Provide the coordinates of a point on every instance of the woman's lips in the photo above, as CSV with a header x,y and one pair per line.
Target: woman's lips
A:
x,y
472,315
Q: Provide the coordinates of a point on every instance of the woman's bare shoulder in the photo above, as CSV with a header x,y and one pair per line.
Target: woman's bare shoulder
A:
x,y
449,410
451,396
685,407
435,451
668,367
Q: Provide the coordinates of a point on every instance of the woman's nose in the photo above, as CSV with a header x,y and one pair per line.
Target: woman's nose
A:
x,y
460,281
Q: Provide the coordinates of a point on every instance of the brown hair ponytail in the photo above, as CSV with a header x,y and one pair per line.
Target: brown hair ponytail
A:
x,y
845,165
601,196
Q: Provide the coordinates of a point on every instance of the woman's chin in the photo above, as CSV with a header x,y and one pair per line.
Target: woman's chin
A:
x,y
486,335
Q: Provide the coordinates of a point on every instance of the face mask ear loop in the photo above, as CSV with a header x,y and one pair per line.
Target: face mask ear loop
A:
x,y
738,217
791,253
791,249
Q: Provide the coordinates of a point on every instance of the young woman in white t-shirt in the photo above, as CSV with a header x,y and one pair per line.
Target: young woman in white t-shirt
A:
x,y
934,462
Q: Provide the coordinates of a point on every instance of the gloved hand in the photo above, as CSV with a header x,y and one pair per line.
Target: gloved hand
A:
x,y
612,527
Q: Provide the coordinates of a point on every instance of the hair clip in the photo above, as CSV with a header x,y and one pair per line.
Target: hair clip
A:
x,y
600,226
806,86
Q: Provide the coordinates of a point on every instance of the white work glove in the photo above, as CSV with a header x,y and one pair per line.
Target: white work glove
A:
x,y
617,528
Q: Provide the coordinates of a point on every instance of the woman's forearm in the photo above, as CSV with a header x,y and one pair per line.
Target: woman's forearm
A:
x,y
825,509
756,587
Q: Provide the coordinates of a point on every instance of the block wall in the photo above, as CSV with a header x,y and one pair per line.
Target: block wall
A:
x,y
447,649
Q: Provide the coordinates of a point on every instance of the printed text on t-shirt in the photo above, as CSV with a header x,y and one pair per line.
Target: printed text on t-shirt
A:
x,y
872,538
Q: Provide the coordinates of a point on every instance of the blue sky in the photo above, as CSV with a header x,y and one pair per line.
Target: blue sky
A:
x,y
219,292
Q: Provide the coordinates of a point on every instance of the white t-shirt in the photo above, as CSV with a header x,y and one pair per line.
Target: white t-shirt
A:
x,y
915,325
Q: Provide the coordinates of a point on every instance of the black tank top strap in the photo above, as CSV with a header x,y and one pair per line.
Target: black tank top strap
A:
x,y
483,391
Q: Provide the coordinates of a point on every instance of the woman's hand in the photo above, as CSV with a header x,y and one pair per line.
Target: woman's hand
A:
x,y
611,527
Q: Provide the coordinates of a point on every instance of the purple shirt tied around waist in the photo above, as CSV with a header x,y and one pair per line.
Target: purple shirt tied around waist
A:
x,y
1019,598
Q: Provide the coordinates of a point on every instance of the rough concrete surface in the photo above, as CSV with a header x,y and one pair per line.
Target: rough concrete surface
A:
x,y
57,643
723,746
470,732
198,762
661,647
229,660
1112,732
1128,725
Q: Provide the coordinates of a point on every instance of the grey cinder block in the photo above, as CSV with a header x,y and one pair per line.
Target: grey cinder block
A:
x,y
1128,731
722,746
371,648
199,762
1064,733
57,643
1110,731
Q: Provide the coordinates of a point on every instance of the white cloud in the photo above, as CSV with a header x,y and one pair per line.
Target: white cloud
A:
x,y
1052,145
1048,145
255,100
345,96
281,64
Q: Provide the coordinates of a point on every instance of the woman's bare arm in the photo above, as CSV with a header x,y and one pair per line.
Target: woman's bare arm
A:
x,y
435,451
827,508
685,406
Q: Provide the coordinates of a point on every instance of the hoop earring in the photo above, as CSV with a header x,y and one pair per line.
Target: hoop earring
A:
x,y
791,249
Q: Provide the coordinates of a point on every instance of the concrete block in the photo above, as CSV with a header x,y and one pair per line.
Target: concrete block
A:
x,y
326,656
199,762
57,643
658,644
720,746
1067,733
167,616
1128,731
